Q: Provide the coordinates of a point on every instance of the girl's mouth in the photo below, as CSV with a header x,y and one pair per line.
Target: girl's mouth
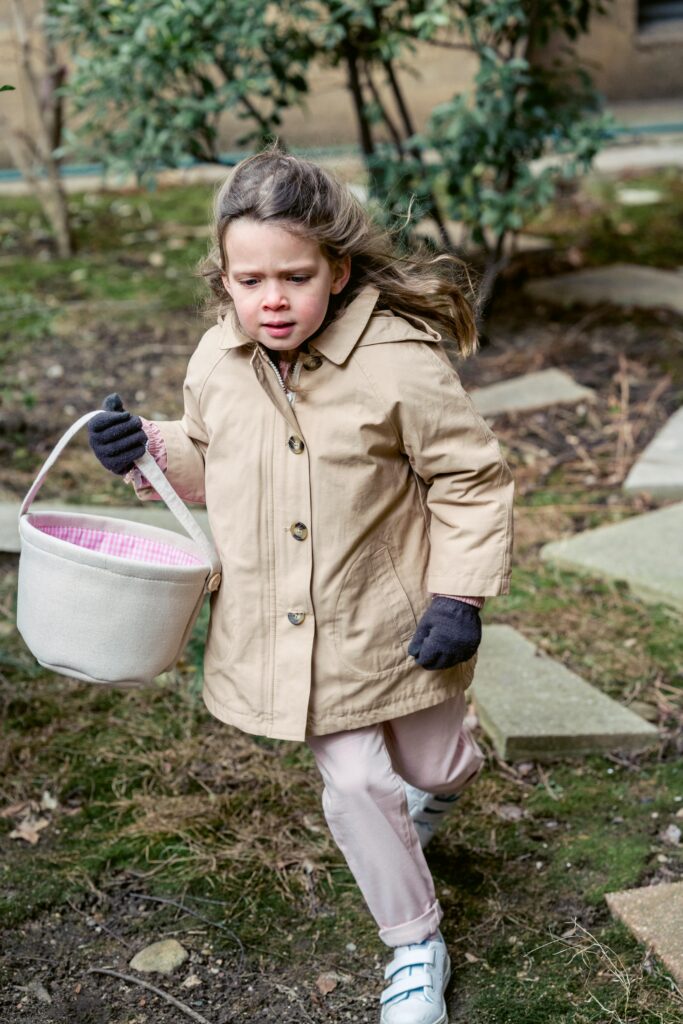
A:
x,y
280,330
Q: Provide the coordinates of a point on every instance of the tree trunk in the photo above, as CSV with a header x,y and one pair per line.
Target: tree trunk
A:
x,y
433,209
35,157
354,84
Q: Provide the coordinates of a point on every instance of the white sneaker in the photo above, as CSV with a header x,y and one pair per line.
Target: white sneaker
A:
x,y
427,811
418,977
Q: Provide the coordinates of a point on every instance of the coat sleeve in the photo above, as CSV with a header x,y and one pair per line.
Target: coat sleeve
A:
x,y
186,440
466,484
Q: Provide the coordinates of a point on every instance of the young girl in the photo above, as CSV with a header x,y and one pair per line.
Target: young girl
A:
x,y
362,511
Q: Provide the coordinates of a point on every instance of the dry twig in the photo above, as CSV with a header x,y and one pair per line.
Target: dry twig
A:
x,y
187,1010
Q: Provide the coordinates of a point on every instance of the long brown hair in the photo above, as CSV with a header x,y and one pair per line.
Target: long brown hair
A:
x,y
307,200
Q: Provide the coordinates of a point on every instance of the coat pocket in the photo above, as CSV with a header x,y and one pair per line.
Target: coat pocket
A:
x,y
374,619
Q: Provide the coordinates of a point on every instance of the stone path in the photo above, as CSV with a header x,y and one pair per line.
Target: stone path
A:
x,y
621,284
645,551
659,470
144,513
654,915
531,391
534,707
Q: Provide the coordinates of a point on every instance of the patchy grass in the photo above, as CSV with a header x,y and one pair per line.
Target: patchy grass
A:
x,y
599,229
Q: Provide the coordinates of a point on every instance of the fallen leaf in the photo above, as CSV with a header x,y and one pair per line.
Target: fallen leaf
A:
x,y
48,802
29,830
326,983
471,958
14,809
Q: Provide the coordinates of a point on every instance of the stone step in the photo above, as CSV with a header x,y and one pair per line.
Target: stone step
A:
x,y
659,469
535,708
151,514
654,914
529,392
621,284
645,551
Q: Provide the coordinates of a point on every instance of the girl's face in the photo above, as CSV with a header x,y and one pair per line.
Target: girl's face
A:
x,y
280,283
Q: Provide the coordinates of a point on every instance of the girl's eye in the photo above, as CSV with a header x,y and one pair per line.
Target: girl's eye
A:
x,y
299,278
249,281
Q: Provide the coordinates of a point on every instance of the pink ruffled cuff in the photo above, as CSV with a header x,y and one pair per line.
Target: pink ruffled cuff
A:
x,y
156,446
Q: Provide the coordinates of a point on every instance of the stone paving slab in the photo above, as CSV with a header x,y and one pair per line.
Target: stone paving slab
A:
x,y
153,515
644,551
534,707
621,284
654,914
659,469
531,391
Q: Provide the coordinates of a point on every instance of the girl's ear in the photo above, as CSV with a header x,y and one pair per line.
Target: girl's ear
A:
x,y
224,279
341,272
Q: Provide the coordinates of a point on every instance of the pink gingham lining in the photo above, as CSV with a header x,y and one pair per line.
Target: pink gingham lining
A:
x,y
122,545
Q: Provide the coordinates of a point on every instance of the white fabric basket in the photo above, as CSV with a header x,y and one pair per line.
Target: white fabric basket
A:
x,y
105,599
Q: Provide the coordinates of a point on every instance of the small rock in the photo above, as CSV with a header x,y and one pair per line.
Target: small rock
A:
x,y
54,372
509,812
162,957
191,981
671,835
647,711
37,989
351,947
157,259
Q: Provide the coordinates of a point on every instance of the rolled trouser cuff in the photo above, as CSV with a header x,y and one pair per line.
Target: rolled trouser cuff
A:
x,y
417,930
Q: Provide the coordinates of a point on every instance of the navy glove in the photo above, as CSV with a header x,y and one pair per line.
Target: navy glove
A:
x,y
117,437
448,633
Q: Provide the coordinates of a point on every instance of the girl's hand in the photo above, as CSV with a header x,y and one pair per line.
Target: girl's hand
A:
x,y
117,437
448,633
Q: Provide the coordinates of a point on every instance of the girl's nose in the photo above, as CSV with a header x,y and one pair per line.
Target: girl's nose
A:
x,y
274,297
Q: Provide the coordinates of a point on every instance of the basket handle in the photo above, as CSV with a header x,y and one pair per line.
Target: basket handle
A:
x,y
151,471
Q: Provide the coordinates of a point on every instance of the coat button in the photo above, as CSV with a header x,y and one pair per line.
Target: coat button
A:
x,y
299,531
312,362
296,445
213,582
296,618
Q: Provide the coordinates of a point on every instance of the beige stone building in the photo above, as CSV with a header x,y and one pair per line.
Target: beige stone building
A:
x,y
635,52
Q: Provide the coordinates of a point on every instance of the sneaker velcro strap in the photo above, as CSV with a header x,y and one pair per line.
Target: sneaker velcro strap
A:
x,y
410,958
411,983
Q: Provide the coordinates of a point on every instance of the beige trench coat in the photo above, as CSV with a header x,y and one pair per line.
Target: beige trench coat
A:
x,y
335,518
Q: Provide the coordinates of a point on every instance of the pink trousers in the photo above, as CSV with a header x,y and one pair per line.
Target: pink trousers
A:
x,y
365,807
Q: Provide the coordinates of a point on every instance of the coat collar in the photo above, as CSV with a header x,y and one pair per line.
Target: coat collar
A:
x,y
355,326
